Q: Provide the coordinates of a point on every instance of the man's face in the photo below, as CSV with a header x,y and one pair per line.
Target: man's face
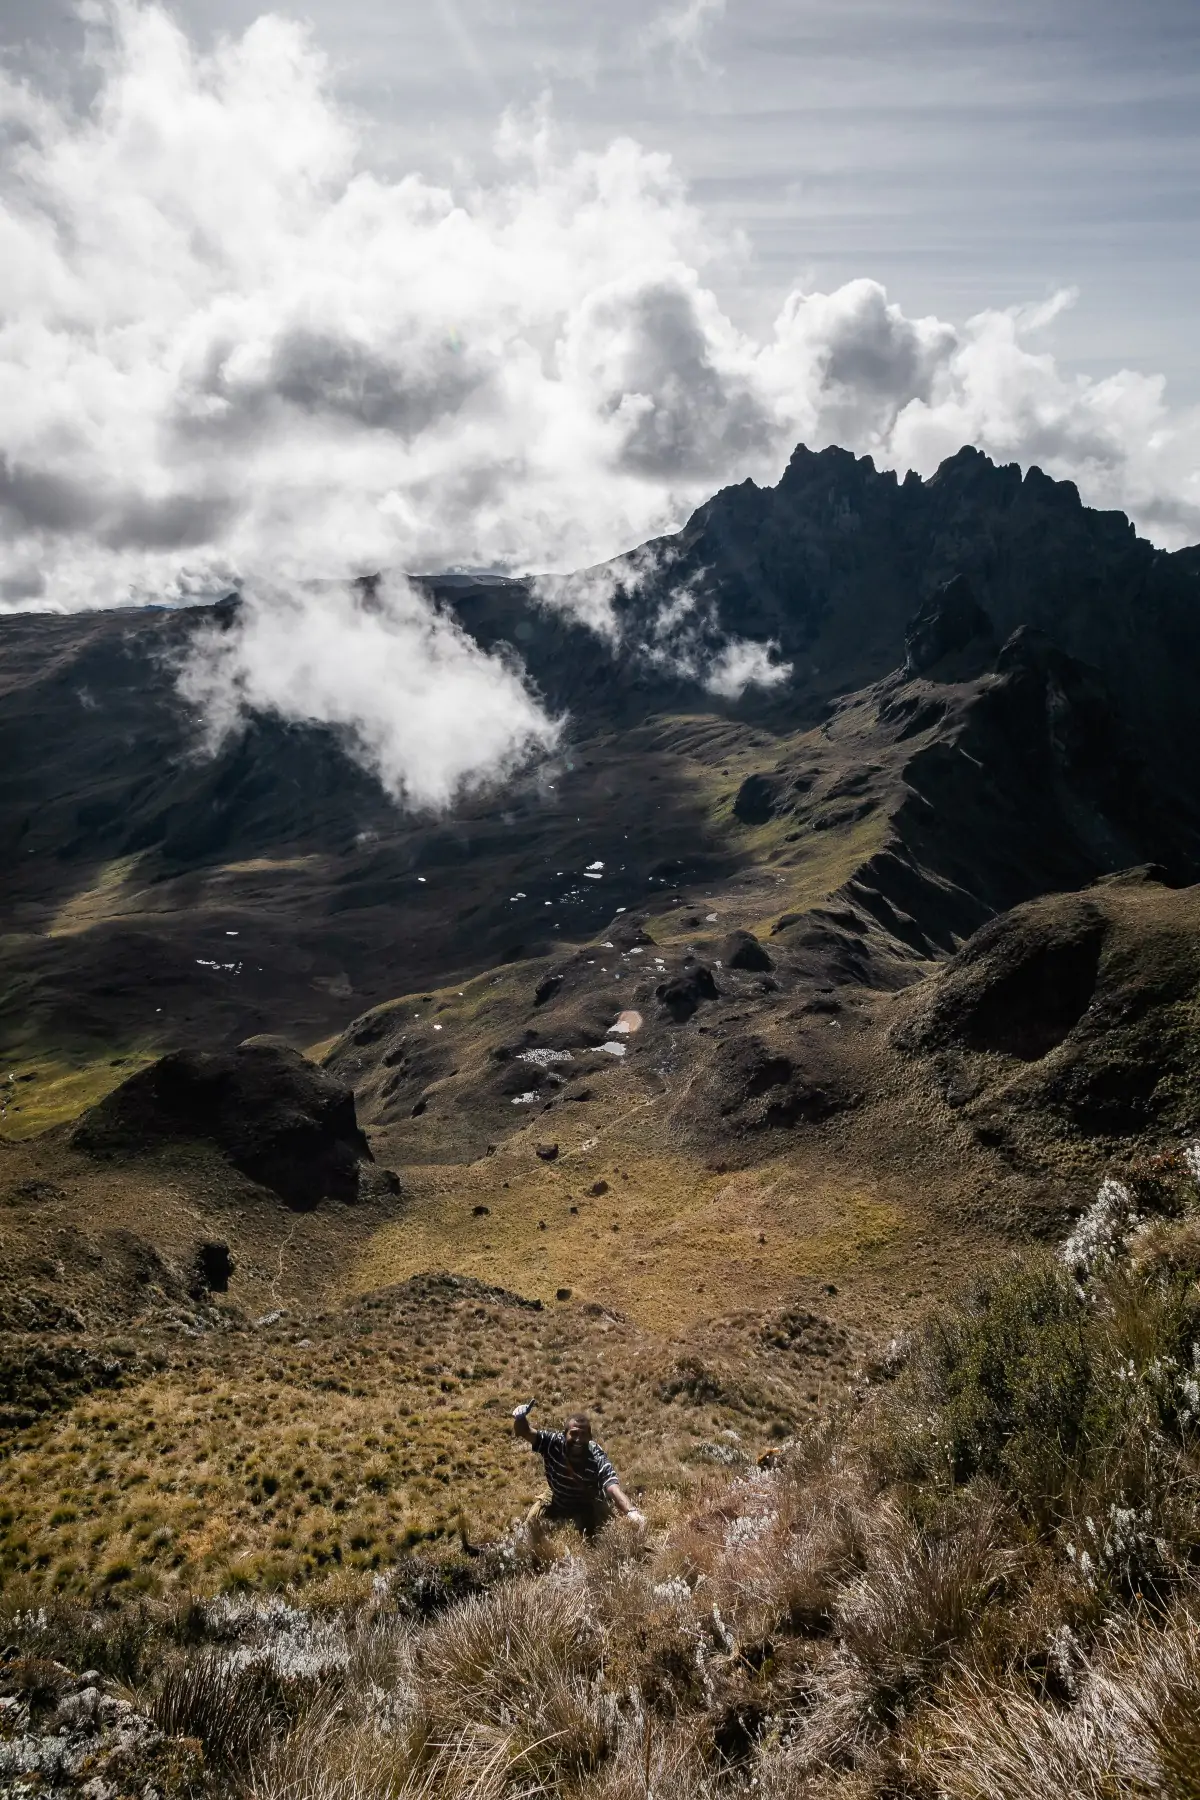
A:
x,y
577,1440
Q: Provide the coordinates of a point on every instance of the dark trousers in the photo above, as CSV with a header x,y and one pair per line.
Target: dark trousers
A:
x,y
588,1516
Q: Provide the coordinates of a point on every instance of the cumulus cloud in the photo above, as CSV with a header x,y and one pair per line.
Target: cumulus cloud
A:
x,y
740,664
413,698
684,637
228,349
640,607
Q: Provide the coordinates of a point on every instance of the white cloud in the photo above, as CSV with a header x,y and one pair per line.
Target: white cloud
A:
x,y
635,604
414,699
682,29
742,664
684,638
228,348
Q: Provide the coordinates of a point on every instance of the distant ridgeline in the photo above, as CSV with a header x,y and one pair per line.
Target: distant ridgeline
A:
x,y
1079,643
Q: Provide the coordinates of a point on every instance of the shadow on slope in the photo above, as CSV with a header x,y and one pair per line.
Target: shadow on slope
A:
x,y
1074,1017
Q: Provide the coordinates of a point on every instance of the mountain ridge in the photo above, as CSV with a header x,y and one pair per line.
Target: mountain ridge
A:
x,y
134,863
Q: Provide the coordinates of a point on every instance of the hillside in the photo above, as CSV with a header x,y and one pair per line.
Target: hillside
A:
x,y
676,1079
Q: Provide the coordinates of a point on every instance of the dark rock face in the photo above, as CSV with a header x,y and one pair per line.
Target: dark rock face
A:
x,y
757,799
949,623
834,562
212,1270
1031,782
276,1117
682,994
742,950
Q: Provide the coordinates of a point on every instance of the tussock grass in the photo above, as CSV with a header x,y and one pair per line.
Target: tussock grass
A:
x,y
327,1448
233,1708
1134,1729
906,1602
975,1580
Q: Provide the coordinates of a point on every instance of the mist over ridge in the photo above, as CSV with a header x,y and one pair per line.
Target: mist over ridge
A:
x,y
234,354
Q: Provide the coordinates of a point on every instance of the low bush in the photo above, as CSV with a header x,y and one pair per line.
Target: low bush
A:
x,y
120,1642
1076,1405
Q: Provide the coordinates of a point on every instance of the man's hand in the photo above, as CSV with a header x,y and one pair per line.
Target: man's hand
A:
x,y
521,1426
623,1504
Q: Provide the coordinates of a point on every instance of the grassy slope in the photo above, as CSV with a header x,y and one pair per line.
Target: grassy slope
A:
x,y
863,1220
154,1481
976,1579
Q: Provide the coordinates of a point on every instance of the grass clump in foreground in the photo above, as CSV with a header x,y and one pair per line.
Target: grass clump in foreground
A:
x,y
981,1581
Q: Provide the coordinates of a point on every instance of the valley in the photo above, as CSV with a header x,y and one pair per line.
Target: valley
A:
x,y
685,1077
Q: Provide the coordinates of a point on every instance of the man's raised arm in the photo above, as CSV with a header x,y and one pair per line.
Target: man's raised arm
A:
x,y
521,1425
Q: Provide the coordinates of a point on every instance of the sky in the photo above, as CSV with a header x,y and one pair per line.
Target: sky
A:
x,y
517,283
966,153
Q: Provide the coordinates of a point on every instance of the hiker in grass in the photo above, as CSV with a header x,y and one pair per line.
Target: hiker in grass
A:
x,y
584,1489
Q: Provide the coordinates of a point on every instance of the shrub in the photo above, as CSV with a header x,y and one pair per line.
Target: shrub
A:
x,y
119,1642
1066,1403
1013,1373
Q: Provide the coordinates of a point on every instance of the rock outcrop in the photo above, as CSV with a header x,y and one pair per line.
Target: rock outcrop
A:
x,y
950,623
276,1117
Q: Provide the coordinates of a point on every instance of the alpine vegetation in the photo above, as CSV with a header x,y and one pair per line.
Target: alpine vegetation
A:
x,y
978,1577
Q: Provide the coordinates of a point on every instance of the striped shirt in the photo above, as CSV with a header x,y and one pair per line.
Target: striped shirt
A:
x,y
573,1484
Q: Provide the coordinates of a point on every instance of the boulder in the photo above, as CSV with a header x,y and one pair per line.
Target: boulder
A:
x,y
742,950
757,800
682,993
628,931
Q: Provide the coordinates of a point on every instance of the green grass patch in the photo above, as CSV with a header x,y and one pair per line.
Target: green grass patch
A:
x,y
39,1094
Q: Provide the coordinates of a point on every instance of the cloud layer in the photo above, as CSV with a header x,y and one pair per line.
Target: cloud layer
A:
x,y
227,348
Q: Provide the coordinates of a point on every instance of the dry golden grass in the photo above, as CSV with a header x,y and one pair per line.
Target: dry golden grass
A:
x,y
847,1623
270,1456
686,1238
111,893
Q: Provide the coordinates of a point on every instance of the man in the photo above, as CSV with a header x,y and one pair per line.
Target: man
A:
x,y
584,1489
